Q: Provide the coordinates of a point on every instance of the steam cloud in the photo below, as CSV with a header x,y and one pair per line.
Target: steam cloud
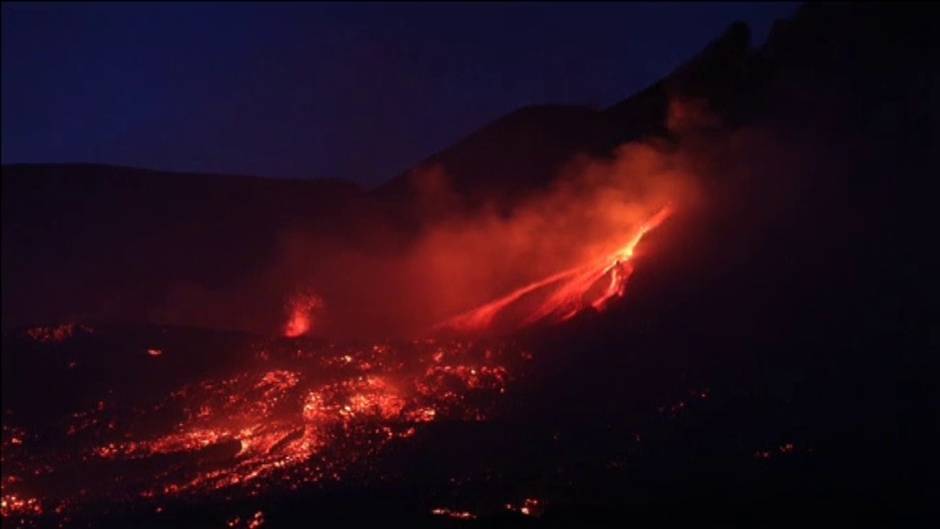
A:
x,y
465,257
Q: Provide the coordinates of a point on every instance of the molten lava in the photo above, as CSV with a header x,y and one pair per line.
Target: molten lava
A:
x,y
298,413
292,417
57,333
567,292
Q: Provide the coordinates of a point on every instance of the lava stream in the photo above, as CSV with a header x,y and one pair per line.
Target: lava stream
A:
x,y
569,289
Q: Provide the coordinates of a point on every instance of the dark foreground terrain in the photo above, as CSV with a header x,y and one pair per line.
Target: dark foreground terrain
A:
x,y
575,426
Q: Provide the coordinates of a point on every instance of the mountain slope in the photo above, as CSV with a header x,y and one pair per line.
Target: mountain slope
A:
x,y
102,242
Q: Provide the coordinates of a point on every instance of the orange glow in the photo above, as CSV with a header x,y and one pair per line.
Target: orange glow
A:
x,y
57,333
253,522
13,505
492,265
304,411
786,449
458,515
304,414
297,325
304,422
529,507
302,310
256,521
569,292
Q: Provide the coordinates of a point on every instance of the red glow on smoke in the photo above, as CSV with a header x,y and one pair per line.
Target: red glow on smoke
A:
x,y
303,309
302,412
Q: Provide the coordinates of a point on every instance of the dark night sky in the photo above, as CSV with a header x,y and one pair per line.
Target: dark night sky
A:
x,y
319,90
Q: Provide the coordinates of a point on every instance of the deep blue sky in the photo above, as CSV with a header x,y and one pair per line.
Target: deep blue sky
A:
x,y
319,90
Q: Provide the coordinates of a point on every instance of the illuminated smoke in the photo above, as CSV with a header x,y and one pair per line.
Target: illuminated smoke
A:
x,y
305,414
554,248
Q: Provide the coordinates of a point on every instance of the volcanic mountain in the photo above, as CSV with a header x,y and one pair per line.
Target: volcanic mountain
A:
x,y
771,359
116,240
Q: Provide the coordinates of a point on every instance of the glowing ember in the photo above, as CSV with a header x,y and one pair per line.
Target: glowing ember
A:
x,y
154,352
305,421
786,449
13,505
458,515
528,507
252,522
570,291
57,333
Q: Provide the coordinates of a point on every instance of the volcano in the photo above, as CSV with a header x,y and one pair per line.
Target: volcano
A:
x,y
712,303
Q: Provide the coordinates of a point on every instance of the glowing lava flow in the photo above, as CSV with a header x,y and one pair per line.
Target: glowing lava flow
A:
x,y
296,415
570,290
